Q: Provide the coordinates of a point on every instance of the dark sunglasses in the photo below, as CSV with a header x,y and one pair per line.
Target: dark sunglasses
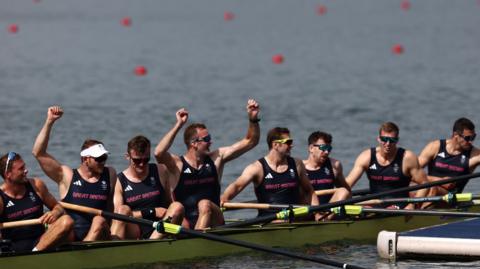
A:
x,y
386,139
206,139
139,161
101,159
11,156
324,147
468,138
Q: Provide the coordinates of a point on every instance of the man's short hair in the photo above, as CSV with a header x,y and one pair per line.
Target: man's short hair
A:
x,y
89,142
139,144
312,139
276,134
389,127
463,124
3,162
191,132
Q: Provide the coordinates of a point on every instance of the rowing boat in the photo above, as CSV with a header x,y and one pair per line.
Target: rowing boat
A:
x,y
285,235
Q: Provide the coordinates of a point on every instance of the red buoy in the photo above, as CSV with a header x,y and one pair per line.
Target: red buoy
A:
x,y
13,28
321,10
277,59
405,5
228,16
397,49
140,70
126,21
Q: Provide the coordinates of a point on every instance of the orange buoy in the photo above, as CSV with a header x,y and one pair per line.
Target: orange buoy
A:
x,y
140,70
13,28
397,49
321,10
126,21
405,5
277,59
228,16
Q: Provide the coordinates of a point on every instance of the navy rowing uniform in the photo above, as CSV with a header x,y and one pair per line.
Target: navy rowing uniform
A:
x,y
82,192
446,165
30,206
278,188
390,177
322,179
147,194
195,185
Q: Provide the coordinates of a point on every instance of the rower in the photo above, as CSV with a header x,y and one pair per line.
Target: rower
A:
x,y
197,174
325,173
23,198
451,157
143,191
91,184
389,167
277,177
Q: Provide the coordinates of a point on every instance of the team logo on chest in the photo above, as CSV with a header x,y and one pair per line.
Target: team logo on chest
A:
x,y
292,173
208,167
327,171
103,185
32,197
441,154
152,181
396,168
463,159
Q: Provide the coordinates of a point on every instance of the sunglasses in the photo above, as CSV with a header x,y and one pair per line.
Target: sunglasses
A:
x,y
324,147
138,161
386,139
101,159
468,138
11,156
287,141
206,139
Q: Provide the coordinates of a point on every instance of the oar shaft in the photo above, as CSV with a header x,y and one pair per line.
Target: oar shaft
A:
x,y
106,214
234,205
19,223
419,212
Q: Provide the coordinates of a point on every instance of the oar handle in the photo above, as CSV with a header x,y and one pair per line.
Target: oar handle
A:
x,y
245,205
19,223
80,208
325,192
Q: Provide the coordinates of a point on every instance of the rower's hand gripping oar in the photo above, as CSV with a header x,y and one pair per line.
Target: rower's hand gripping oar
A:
x,y
171,228
325,207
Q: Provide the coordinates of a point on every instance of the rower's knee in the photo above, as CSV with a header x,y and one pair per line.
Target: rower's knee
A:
x,y
66,223
98,224
177,209
204,207
343,193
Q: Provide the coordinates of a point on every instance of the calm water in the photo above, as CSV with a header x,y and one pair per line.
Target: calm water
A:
x,y
339,75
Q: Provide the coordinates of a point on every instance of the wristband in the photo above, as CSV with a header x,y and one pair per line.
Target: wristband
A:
x,y
254,120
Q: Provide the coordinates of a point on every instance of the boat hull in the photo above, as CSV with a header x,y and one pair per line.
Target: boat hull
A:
x,y
121,253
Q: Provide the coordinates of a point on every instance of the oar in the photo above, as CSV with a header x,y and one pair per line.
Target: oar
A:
x,y
19,223
302,211
357,210
252,204
240,205
170,228
459,197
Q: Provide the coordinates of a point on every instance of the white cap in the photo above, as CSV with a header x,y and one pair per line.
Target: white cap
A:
x,y
94,151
